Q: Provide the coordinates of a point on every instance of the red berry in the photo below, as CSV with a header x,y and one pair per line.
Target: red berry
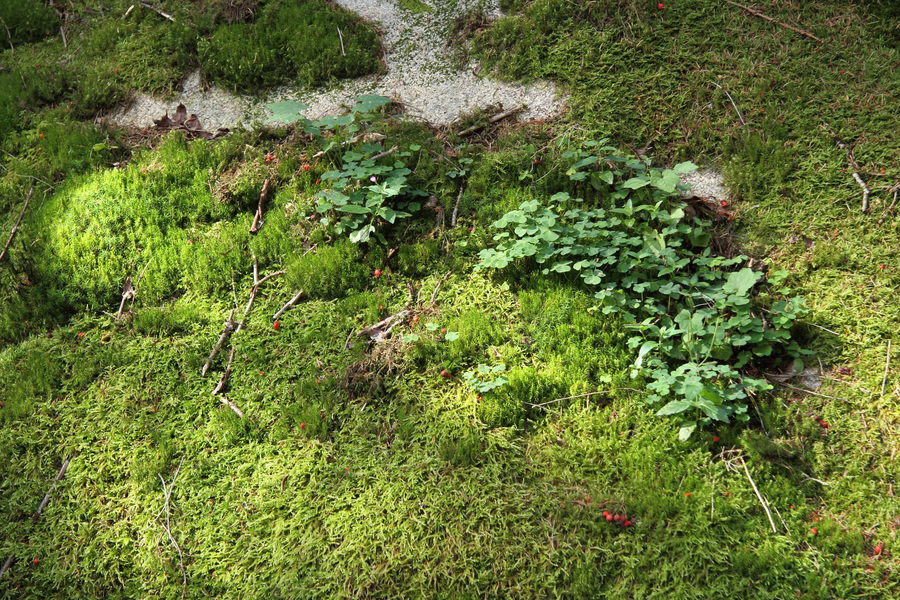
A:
x,y
269,158
617,517
715,438
306,167
608,516
377,273
723,203
660,6
318,181
302,425
36,560
276,325
878,549
814,531
881,267
627,523
80,334
381,307
445,373
687,494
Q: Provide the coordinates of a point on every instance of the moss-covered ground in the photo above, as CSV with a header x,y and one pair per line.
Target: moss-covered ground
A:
x,y
359,471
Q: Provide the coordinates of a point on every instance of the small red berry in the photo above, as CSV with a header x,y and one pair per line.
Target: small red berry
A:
x,y
318,181
881,267
814,531
879,548
443,330
660,6
302,425
715,438
723,203
608,516
269,158
381,307
792,507
36,560
626,523
617,517
276,325
445,373
79,335
306,167
687,494
41,135
377,273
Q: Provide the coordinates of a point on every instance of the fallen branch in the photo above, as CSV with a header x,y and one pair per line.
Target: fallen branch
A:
x,y
756,13
232,406
15,229
762,500
810,392
223,380
380,330
127,292
733,103
437,288
491,121
456,206
287,305
37,513
887,366
587,395
167,493
165,15
385,153
341,37
258,217
223,337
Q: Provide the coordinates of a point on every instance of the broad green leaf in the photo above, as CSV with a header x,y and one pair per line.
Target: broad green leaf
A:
x,y
684,167
686,430
410,337
740,282
355,209
667,183
451,336
636,183
673,408
370,102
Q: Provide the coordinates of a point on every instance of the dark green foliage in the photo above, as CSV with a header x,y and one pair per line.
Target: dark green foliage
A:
x,y
415,260
329,271
23,21
291,41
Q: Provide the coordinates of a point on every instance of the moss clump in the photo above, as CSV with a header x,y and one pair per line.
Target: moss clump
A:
x,y
329,271
23,21
291,41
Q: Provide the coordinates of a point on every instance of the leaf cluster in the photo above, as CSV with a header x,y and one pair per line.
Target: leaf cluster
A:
x,y
693,315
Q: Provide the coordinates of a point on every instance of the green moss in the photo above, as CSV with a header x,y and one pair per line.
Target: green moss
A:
x,y
25,21
328,271
292,41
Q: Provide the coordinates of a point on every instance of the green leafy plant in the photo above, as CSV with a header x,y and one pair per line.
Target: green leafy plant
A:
x,y
366,193
694,317
486,378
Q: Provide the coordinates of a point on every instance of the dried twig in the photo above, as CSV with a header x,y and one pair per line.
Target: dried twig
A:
x,y
740,459
167,493
232,406
287,305
756,13
588,394
456,206
37,513
498,117
165,15
385,153
15,229
223,337
341,37
437,288
263,197
733,103
127,292
851,160
223,380
887,366
380,330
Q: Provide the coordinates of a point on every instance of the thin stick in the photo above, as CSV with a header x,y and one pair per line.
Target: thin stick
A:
x,y
758,495
437,288
824,329
887,366
269,276
385,153
579,396
223,380
232,406
127,292
128,12
810,392
12,234
756,13
158,11
341,37
736,109
498,117
223,337
287,305
37,513
855,167
456,206
261,206
62,32
167,492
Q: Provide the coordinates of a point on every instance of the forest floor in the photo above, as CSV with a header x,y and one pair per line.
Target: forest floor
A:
x,y
437,415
